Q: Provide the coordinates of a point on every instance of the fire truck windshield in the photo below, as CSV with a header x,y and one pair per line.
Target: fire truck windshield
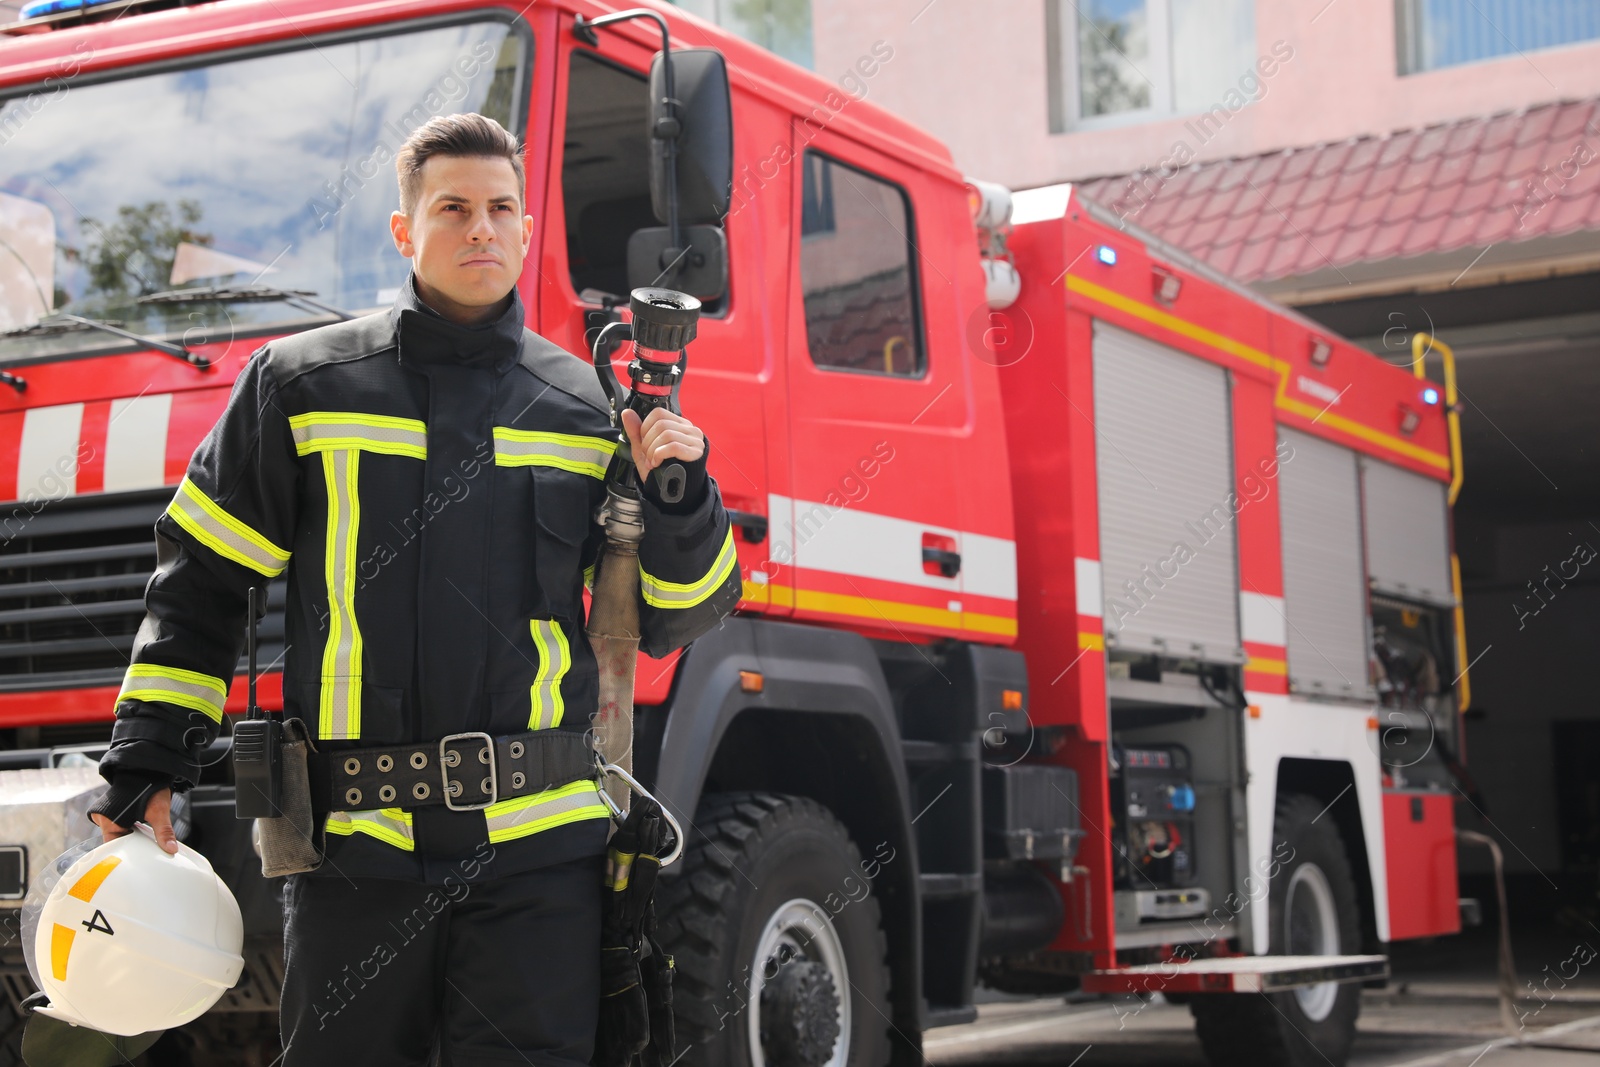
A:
x,y
264,170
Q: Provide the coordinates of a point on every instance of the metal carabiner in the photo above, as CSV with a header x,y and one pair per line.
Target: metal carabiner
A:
x,y
633,783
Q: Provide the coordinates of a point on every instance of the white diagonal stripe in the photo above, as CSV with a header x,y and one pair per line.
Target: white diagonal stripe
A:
x,y
47,461
136,442
1090,591
1261,619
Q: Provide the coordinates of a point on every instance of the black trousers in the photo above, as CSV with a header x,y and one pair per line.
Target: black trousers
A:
x,y
384,973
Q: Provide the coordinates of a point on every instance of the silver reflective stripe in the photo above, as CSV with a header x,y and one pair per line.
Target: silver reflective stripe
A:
x,y
174,685
565,451
340,706
663,594
555,658
389,825
324,431
224,534
521,816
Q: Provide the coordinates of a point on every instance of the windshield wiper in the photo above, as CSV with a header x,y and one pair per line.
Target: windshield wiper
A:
x,y
301,298
63,323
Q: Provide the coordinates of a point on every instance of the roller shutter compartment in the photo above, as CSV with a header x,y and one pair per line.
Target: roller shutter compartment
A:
x,y
1164,463
1408,534
1323,573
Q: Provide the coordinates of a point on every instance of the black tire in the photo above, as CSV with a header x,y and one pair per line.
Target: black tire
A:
x,y
748,855
1276,1029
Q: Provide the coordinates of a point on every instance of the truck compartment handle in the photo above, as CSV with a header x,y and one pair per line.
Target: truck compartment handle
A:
x,y
753,526
949,563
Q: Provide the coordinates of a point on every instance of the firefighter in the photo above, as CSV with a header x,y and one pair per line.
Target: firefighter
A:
x,y
426,477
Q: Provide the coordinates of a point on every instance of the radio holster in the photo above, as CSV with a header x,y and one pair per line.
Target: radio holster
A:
x,y
291,840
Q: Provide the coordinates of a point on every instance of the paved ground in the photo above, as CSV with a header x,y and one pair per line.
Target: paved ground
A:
x,y
1440,1010
1395,1031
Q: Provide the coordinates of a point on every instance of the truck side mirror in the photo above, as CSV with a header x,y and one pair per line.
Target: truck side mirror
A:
x,y
700,118
700,268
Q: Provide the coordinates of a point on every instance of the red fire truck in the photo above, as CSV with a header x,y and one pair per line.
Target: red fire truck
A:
x,y
1101,629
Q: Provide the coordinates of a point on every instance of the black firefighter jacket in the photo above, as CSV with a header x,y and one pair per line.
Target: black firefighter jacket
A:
x,y
429,489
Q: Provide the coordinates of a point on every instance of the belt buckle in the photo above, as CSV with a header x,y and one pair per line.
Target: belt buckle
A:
x,y
445,764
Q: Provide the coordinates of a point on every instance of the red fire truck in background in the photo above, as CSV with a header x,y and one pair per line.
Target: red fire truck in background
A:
x,y
1100,617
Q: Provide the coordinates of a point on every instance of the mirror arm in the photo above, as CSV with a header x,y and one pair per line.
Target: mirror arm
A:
x,y
584,29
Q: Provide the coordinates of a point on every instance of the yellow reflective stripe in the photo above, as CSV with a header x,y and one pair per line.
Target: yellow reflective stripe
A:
x,y
340,703
324,431
60,949
555,658
392,826
521,816
663,594
588,578
224,534
537,448
1281,367
174,685
89,884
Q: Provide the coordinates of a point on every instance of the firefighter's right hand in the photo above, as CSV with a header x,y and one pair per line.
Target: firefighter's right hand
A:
x,y
157,815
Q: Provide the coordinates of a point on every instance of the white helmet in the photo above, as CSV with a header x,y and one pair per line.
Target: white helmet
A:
x,y
129,938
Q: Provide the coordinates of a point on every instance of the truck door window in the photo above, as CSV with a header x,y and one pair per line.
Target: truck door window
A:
x,y
605,172
856,271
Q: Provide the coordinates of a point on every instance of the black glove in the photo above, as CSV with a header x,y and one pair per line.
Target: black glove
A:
x,y
694,485
129,794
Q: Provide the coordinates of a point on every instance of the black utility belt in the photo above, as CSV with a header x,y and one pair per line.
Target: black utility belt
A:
x,y
464,772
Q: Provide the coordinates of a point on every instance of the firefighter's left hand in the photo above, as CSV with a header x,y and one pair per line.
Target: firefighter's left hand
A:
x,y
663,436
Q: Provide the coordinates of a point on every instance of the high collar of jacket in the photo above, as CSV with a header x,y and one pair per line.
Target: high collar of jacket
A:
x,y
428,339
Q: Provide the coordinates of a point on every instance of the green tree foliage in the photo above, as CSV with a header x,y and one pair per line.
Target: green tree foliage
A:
x,y
132,256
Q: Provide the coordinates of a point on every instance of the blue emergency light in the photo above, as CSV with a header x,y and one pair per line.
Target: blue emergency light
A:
x,y
37,8
1430,395
1107,255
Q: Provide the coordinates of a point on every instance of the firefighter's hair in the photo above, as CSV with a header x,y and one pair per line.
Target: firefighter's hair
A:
x,y
454,135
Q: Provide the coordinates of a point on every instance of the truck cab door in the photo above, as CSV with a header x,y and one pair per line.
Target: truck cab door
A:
x,y
878,407
601,195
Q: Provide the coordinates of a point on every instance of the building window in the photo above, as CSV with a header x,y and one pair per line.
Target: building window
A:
x,y
856,272
1443,33
780,26
1118,61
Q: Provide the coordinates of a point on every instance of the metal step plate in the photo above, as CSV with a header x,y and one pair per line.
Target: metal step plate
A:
x,y
1236,974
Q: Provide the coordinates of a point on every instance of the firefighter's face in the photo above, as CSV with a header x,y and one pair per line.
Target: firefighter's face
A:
x,y
466,236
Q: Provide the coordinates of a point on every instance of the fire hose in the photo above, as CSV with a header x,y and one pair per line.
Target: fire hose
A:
x,y
636,975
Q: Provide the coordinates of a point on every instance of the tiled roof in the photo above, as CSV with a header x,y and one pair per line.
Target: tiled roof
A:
x,y
1464,184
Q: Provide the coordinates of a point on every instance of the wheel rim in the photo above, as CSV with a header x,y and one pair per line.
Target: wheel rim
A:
x,y
799,930
1311,928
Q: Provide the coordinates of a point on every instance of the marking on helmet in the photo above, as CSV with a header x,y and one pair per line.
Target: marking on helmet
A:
x,y
60,949
84,888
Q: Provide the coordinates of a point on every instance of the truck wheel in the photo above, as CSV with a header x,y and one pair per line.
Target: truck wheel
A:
x,y
780,957
1313,911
